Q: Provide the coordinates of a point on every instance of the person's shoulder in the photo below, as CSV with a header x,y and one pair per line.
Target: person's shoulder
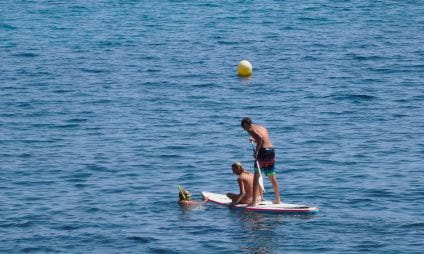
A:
x,y
261,127
189,203
246,174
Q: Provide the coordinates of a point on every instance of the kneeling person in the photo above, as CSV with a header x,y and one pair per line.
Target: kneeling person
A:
x,y
245,182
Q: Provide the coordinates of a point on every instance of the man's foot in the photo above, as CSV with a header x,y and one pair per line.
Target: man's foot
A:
x,y
252,204
277,201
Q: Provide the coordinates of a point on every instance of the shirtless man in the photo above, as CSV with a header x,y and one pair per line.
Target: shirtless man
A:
x,y
264,155
245,182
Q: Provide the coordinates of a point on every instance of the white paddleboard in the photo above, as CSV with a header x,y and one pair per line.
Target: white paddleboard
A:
x,y
263,206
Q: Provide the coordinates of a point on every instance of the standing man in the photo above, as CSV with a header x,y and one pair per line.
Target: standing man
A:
x,y
264,156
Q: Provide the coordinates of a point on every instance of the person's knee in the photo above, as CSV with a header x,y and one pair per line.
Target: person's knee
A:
x,y
231,195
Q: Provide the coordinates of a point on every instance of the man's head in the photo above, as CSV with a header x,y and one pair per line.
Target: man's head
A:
x,y
237,168
246,123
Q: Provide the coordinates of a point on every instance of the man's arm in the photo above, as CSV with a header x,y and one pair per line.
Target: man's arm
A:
x,y
259,141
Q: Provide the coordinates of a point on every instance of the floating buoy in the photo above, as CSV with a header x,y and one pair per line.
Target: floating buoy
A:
x,y
244,68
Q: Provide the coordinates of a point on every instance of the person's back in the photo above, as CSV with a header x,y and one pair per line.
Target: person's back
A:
x,y
247,179
262,132
245,182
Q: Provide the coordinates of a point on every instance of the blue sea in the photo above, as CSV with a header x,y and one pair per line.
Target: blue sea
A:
x,y
106,106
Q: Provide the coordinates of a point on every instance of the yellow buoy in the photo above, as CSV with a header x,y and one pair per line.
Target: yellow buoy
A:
x,y
244,68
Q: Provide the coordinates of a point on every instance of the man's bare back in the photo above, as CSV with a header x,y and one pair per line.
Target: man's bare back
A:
x,y
260,136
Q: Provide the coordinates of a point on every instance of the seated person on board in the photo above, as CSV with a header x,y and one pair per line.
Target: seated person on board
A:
x,y
245,182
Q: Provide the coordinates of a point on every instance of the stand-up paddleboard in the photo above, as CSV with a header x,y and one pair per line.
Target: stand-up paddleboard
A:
x,y
263,206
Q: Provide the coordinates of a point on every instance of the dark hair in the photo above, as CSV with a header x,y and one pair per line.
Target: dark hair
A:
x,y
246,120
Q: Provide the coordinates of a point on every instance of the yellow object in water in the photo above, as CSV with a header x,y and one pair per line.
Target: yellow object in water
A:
x,y
244,68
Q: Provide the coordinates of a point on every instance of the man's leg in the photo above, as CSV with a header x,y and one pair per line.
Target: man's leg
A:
x,y
233,197
255,188
274,182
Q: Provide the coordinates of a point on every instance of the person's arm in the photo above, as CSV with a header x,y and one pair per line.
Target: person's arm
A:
x,y
242,191
259,142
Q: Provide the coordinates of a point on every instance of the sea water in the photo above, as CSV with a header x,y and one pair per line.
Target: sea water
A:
x,y
106,106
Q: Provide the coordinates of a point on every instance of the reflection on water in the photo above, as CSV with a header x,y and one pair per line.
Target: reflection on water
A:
x,y
262,231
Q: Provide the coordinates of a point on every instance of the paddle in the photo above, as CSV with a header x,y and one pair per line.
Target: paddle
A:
x,y
261,180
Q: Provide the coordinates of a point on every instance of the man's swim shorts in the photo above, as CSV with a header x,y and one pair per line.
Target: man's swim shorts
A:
x,y
266,160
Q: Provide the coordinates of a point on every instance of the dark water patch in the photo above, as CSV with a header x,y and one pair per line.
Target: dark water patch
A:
x,y
8,114
76,180
95,71
6,155
25,224
92,210
39,249
4,26
77,120
203,230
315,20
26,55
379,193
310,58
68,227
353,97
81,185
140,187
389,70
360,202
227,42
170,156
114,191
160,250
418,97
65,126
150,70
29,198
365,58
98,168
98,101
25,155
311,142
33,183
107,44
399,115
358,175
141,239
131,175
81,175
335,162
54,126
414,225
369,246
62,91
